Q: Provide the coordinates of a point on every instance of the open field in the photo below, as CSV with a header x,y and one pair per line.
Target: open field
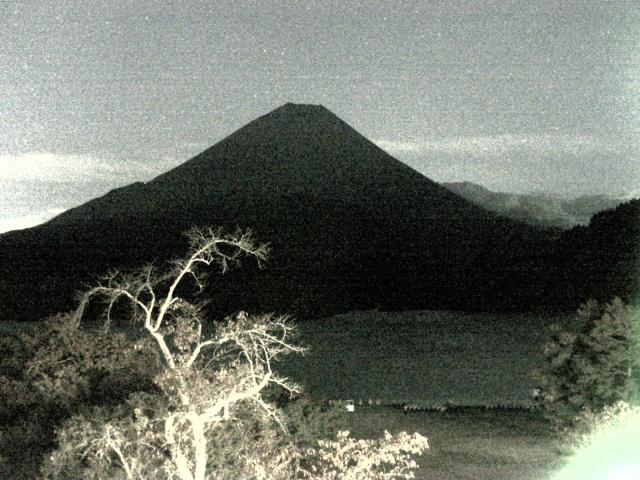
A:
x,y
468,444
425,358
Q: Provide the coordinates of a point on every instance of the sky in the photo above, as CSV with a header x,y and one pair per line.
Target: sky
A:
x,y
518,96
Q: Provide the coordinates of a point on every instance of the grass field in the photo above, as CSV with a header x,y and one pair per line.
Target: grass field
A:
x,y
469,444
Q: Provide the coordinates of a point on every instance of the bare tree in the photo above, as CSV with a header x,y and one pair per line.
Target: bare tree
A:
x,y
207,382
243,348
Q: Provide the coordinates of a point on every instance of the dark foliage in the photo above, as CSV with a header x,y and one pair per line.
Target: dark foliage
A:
x,y
600,262
594,367
308,420
49,373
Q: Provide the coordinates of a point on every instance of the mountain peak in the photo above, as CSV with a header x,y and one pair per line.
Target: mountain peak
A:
x,y
300,110
301,107
301,148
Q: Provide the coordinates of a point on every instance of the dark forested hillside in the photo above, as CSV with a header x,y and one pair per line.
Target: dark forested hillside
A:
x,y
350,227
601,260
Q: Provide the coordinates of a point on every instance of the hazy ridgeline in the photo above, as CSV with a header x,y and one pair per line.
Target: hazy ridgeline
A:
x,y
543,210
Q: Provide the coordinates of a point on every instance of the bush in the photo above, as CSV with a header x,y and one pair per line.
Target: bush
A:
x,y
591,424
16,393
56,369
349,459
63,365
308,422
92,443
593,368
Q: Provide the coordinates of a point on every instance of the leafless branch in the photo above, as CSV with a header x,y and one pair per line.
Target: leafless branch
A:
x,y
176,326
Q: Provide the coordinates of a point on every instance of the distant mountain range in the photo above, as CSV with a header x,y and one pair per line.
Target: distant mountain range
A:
x,y
351,228
536,209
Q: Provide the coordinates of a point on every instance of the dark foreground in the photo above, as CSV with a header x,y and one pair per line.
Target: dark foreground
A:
x,y
473,444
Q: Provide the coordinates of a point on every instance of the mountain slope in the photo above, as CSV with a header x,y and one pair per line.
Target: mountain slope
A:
x,y
350,228
535,209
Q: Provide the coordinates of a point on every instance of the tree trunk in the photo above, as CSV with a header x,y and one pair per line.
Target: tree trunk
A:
x,y
199,446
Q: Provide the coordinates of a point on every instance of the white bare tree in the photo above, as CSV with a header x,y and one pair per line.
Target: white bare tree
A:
x,y
242,349
206,383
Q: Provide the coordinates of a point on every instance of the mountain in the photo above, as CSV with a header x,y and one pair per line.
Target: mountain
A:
x,y
536,209
350,228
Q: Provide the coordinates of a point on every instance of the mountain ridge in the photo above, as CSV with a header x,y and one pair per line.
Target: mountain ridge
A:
x,y
351,228
541,210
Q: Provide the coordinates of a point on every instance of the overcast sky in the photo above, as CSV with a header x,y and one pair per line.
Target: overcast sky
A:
x,y
518,96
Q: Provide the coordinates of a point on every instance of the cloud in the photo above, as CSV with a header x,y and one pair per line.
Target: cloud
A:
x,y
550,162
31,182
47,166
499,145
27,221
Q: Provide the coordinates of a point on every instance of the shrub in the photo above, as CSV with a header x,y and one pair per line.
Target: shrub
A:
x,y
93,444
308,422
16,392
593,368
592,424
349,459
58,368
67,365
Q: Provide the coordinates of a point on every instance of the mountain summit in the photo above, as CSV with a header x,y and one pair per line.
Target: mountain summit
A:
x,y
350,228
300,150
